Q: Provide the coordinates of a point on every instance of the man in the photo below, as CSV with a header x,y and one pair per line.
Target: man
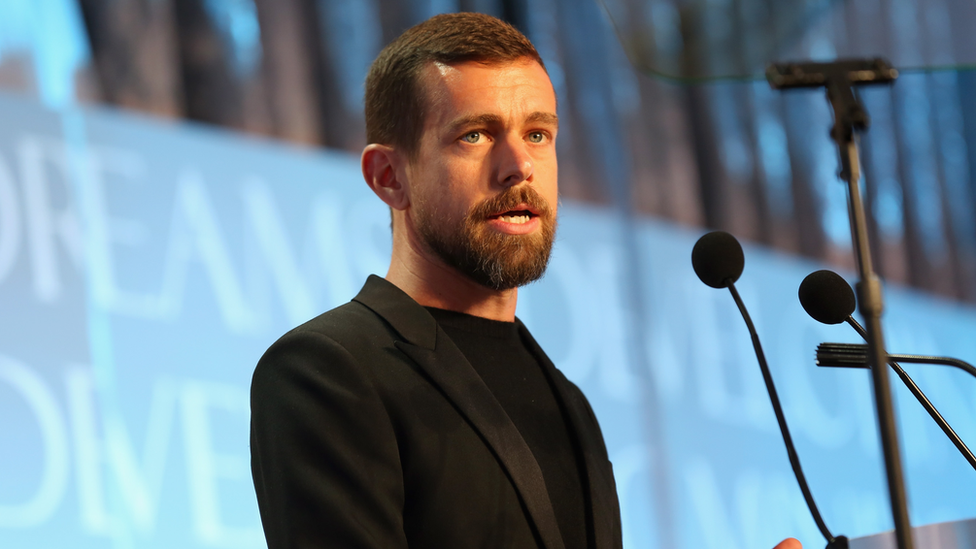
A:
x,y
422,413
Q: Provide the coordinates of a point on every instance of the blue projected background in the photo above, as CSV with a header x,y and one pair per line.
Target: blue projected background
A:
x,y
145,267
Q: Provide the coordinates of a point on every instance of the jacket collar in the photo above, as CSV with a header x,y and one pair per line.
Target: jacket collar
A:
x,y
429,346
604,511
414,324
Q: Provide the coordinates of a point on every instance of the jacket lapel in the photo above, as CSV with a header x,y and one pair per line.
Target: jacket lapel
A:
x,y
599,481
427,345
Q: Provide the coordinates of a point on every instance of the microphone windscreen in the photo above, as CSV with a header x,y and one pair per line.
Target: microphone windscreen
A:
x,y
717,259
827,297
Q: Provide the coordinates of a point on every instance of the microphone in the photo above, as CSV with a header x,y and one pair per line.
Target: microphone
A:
x,y
718,261
829,299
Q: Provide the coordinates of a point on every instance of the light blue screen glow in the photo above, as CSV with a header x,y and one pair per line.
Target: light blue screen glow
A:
x,y
145,267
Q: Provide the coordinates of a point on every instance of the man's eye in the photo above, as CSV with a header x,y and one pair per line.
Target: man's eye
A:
x,y
471,137
537,137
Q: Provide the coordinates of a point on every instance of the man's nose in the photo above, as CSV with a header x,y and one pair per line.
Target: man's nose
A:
x,y
515,164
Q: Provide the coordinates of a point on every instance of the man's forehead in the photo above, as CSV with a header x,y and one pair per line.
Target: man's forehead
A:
x,y
453,84
449,70
445,70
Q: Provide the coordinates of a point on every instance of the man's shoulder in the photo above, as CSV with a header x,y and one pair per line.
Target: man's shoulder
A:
x,y
342,345
360,334
351,327
347,319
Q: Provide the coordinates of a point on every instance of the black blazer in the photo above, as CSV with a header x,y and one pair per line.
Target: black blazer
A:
x,y
369,429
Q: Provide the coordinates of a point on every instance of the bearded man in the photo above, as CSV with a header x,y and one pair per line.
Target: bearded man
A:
x,y
423,414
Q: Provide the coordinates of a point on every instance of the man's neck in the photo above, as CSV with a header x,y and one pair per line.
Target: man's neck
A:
x,y
432,283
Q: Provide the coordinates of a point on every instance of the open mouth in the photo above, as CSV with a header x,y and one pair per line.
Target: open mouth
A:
x,y
515,216
519,215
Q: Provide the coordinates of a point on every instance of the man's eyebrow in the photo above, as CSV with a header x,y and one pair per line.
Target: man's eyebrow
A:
x,y
537,117
540,117
475,120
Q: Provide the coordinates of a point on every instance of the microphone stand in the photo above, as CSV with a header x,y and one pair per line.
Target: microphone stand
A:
x,y
849,115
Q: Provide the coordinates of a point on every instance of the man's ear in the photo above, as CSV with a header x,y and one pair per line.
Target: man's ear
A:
x,y
380,165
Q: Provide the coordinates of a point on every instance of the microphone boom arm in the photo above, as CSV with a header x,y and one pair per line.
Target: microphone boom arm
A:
x,y
839,542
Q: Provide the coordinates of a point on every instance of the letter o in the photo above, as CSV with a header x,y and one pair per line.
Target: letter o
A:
x,y
39,398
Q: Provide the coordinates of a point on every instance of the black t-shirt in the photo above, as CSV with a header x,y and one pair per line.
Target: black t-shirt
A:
x,y
518,381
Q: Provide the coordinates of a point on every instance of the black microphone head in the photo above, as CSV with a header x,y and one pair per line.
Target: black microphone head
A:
x,y
717,259
827,297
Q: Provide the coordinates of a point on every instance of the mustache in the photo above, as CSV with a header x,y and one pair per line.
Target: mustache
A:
x,y
510,199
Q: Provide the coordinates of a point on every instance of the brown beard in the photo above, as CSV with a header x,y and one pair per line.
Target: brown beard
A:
x,y
495,260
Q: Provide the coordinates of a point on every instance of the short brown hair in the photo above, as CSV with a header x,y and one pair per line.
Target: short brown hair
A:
x,y
395,103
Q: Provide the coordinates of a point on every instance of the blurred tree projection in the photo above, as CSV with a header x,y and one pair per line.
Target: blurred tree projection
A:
x,y
663,108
